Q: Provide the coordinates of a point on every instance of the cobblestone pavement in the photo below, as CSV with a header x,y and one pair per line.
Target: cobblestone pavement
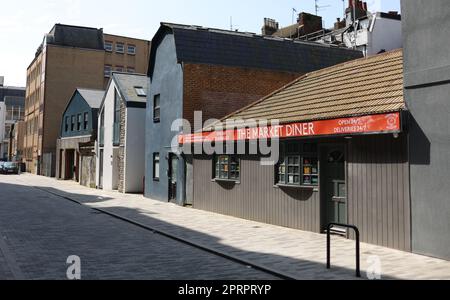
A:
x,y
290,252
38,232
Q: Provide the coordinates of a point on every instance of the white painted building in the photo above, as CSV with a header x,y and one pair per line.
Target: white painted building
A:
x,y
371,33
120,146
376,33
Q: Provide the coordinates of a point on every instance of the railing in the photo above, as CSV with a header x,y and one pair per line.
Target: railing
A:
x,y
116,133
101,136
358,251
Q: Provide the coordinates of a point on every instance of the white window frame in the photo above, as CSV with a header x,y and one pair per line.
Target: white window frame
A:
x,y
107,48
107,72
118,47
131,47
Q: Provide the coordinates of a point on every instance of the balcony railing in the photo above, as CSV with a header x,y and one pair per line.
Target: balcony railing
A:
x,y
116,134
101,136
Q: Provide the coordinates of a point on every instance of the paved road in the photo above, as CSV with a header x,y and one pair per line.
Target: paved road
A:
x,y
39,231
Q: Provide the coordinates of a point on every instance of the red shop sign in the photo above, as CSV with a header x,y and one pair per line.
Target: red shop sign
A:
x,y
383,123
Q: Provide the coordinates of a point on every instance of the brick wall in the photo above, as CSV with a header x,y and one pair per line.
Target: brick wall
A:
x,y
121,186
221,90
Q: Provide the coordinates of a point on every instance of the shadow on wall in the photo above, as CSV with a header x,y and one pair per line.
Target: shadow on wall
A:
x,y
304,269
420,147
298,194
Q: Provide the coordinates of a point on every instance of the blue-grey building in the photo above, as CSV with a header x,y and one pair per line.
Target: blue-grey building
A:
x,y
76,145
215,72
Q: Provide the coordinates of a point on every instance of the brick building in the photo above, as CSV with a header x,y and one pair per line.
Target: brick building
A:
x,y
70,57
216,72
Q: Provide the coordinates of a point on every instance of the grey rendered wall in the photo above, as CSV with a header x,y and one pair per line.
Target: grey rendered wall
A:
x,y
426,32
135,150
168,82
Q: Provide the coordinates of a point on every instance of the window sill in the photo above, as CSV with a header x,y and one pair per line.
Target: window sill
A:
x,y
303,187
156,179
226,180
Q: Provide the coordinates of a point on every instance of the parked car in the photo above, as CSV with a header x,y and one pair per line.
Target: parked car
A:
x,y
10,168
1,166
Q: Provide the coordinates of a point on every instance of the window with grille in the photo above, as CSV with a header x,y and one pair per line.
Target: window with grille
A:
x,y
227,167
298,165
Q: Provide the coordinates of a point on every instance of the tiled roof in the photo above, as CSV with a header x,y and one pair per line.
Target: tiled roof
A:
x,y
127,83
93,97
201,45
371,85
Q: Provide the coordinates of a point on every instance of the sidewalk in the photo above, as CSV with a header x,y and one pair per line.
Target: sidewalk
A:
x,y
293,253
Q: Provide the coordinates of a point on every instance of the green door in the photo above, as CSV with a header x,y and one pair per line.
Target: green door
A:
x,y
336,189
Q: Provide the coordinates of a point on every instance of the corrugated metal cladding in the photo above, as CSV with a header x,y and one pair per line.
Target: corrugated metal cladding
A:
x,y
377,183
256,198
378,190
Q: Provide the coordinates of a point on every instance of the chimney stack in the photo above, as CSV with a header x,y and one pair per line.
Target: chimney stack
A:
x,y
309,23
270,27
356,10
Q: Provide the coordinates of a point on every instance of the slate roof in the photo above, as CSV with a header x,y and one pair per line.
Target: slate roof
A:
x,y
365,86
93,98
127,83
201,45
76,36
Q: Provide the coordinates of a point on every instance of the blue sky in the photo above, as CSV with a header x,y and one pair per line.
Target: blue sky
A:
x,y
23,23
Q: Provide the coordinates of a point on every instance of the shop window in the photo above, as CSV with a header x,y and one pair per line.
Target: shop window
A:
x,y
227,167
156,166
299,165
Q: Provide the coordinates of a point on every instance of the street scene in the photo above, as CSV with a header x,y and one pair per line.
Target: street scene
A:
x,y
311,145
